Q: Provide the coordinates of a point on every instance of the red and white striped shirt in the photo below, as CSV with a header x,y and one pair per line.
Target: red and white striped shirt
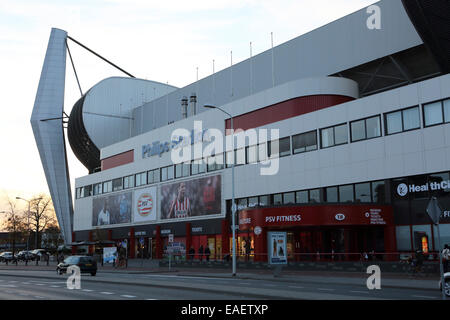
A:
x,y
182,208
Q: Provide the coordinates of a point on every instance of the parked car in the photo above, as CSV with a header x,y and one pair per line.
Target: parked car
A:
x,y
24,255
6,256
87,264
40,254
447,284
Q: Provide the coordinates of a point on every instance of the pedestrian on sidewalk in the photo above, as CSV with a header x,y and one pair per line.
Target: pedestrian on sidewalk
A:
x,y
200,253
191,253
445,257
207,253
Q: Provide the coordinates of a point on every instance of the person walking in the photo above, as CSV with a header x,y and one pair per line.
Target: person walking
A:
x,y
191,253
207,253
445,257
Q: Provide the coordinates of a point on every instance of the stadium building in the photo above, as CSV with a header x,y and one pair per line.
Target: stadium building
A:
x,y
357,117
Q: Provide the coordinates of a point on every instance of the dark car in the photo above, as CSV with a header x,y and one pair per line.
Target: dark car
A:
x,y
86,264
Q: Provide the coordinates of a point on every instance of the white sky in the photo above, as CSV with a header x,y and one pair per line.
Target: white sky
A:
x,y
157,40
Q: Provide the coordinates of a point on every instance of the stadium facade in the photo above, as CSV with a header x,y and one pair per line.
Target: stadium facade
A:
x,y
354,120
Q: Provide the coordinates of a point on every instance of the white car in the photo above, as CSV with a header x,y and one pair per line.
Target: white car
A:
x,y
447,284
6,256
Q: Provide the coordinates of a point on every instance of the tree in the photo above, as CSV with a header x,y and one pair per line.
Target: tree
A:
x,y
14,223
42,215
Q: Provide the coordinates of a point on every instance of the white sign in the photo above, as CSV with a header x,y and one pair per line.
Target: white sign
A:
x,y
403,189
277,247
257,230
145,204
109,254
170,238
339,217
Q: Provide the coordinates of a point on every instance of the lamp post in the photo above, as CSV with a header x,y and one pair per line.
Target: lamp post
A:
x,y
233,204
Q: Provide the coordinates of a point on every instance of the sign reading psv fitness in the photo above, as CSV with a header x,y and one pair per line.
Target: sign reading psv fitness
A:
x,y
145,204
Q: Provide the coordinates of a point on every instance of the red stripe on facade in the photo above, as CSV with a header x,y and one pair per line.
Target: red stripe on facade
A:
x,y
118,160
285,110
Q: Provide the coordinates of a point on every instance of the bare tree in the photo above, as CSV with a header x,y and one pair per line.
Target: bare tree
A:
x,y
42,215
14,223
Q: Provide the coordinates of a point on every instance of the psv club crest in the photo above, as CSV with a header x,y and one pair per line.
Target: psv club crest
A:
x,y
145,204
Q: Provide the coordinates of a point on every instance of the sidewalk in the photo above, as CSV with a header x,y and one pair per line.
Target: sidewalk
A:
x,y
391,280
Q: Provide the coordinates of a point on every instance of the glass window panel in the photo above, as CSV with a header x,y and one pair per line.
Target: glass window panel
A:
x,y
362,192
178,170
252,154
274,148
358,129
435,184
403,235
202,167
163,174
211,164
219,161
253,202
289,197
170,172
229,158
433,113
411,118
150,175
278,198
346,193
311,140
314,196
117,184
194,167
240,156
262,152
242,204
285,146
394,122
156,175
340,134
332,194
186,169
301,197
373,127
264,201
447,110
327,136
378,191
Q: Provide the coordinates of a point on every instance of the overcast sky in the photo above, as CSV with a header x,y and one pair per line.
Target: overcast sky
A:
x,y
164,41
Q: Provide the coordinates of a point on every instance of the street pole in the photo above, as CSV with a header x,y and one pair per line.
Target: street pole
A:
x,y
441,267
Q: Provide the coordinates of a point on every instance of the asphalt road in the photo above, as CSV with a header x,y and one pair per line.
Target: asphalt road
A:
x,y
46,285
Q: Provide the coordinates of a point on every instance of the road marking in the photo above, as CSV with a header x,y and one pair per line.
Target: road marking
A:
x,y
356,291
325,289
247,283
55,286
87,290
425,297
151,299
104,292
127,296
8,286
296,287
269,285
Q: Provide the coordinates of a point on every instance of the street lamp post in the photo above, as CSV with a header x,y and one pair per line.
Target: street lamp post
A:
x,y
233,204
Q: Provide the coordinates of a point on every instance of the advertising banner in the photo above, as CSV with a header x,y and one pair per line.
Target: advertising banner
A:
x,y
191,198
113,209
145,205
109,254
277,247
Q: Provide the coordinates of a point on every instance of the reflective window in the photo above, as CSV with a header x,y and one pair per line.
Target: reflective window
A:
x,y
117,184
150,176
340,134
289,198
262,152
156,175
170,172
331,194
365,128
251,154
107,186
240,156
253,202
314,196
447,110
394,122
194,167
403,120
128,182
378,192
346,193
242,204
373,127
304,142
433,114
301,197
363,192
281,147
141,179
264,201
334,136
411,118
327,136
164,174
358,130
178,170
278,198
98,188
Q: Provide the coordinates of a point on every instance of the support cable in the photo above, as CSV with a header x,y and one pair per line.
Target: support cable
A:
x,y
74,70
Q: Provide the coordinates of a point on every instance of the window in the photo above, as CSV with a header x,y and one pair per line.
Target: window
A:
x,y
278,199
229,155
150,176
363,192
264,201
331,194
240,156
378,191
314,196
253,202
365,129
334,136
447,110
433,113
198,166
164,174
283,145
262,152
403,120
170,172
186,169
78,193
141,179
117,184
215,162
156,175
301,197
178,170
107,186
87,191
251,154
242,204
128,182
304,142
98,189
289,198
346,193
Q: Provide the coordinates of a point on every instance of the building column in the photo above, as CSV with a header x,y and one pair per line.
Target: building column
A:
x,y
158,245
261,246
74,248
390,243
132,243
225,238
188,239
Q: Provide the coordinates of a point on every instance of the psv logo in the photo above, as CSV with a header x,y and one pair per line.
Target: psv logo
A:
x,y
145,205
